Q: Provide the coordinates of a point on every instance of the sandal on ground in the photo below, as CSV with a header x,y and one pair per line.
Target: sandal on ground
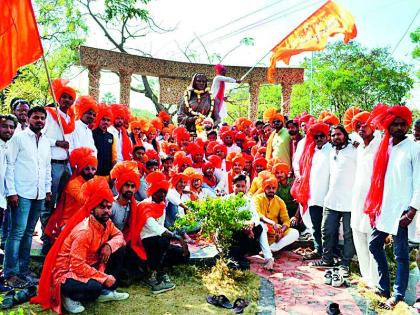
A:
x,y
333,309
8,300
220,301
25,295
239,305
389,304
312,255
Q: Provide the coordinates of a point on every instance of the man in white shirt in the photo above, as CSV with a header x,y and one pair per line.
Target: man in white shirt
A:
x,y
155,238
396,173
176,199
8,125
359,220
20,108
86,110
218,88
227,138
337,202
123,142
28,183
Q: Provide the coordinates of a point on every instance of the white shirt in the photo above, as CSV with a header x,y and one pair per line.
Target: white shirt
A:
x,y
364,168
215,88
54,133
342,175
401,189
28,172
3,165
153,227
320,175
297,155
233,148
18,129
118,137
82,137
176,198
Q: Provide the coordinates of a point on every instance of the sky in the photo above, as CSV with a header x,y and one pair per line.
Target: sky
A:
x,y
220,25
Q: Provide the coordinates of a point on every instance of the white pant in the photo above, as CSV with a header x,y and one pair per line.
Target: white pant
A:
x,y
288,239
265,247
367,264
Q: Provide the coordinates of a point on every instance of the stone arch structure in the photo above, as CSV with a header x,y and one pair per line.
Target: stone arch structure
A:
x,y
174,76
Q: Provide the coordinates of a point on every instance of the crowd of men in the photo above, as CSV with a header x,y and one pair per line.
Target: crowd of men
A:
x,y
108,188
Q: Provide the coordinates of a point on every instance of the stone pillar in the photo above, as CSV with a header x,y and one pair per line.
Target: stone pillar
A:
x,y
125,84
94,77
254,90
286,91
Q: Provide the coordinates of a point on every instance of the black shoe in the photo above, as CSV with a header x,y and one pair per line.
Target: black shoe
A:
x,y
333,309
321,264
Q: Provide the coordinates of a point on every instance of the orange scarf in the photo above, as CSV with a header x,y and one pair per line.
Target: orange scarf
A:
x,y
67,127
127,145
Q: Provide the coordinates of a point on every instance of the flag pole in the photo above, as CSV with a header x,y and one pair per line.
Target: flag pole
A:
x,y
53,95
253,67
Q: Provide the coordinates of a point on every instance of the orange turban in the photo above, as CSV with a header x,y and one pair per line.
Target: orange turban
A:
x,y
195,175
84,104
164,116
176,177
157,123
360,117
319,127
381,117
180,133
305,117
215,161
210,147
249,144
238,158
103,111
150,130
82,157
348,117
119,110
156,181
181,159
271,181
219,68
220,147
207,165
60,87
280,167
271,114
260,161
124,172
194,148
240,136
328,118
171,146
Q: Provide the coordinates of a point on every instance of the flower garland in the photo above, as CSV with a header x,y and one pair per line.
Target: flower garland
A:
x,y
201,117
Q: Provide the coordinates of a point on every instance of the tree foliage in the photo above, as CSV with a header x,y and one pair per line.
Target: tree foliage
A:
x,y
415,39
351,75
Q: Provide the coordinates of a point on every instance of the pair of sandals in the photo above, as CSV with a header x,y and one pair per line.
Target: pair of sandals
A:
x,y
12,298
222,301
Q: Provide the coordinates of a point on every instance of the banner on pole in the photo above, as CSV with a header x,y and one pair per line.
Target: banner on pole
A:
x,y
312,34
20,43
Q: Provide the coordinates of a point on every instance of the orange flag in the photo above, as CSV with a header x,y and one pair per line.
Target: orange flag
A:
x,y
312,34
20,43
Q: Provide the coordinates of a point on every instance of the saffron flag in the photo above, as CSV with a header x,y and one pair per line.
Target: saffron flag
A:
x,y
312,34
20,43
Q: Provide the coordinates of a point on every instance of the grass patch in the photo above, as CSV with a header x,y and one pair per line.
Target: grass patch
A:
x,y
193,284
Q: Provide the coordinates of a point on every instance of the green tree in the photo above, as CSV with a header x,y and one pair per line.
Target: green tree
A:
x,y
108,98
415,39
351,75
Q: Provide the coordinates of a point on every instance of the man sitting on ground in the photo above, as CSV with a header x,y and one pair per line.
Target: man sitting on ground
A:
x,y
84,262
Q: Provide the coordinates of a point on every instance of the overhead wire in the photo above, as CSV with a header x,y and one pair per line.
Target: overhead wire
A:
x,y
406,31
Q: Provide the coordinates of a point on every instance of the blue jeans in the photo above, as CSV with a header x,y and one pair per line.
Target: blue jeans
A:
x,y
171,214
401,253
18,244
316,213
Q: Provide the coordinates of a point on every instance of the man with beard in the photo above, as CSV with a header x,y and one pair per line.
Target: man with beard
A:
x,y
359,220
124,145
273,212
416,130
105,142
197,104
86,110
28,183
293,130
278,145
8,124
150,167
393,200
85,262
176,199
84,164
337,202
20,108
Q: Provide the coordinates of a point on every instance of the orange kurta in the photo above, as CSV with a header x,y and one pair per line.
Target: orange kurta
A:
x,y
73,200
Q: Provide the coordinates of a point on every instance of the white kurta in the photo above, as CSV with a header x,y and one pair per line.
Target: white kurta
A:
x,y
364,168
54,133
342,174
320,175
118,138
82,137
401,189
215,88
297,155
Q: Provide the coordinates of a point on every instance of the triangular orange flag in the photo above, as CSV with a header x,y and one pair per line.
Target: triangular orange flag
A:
x,y
312,34
20,43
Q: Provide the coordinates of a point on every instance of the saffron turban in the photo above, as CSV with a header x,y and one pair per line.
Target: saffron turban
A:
x,y
215,161
271,114
240,136
152,155
60,87
247,157
195,175
189,170
124,172
220,147
150,130
156,181
260,161
164,116
180,160
303,118
194,148
171,146
219,68
82,157
157,123
176,177
328,118
249,144
348,117
271,181
180,133
381,117
319,127
210,147
119,110
280,167
207,165
361,117
84,104
238,158
227,133
103,111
